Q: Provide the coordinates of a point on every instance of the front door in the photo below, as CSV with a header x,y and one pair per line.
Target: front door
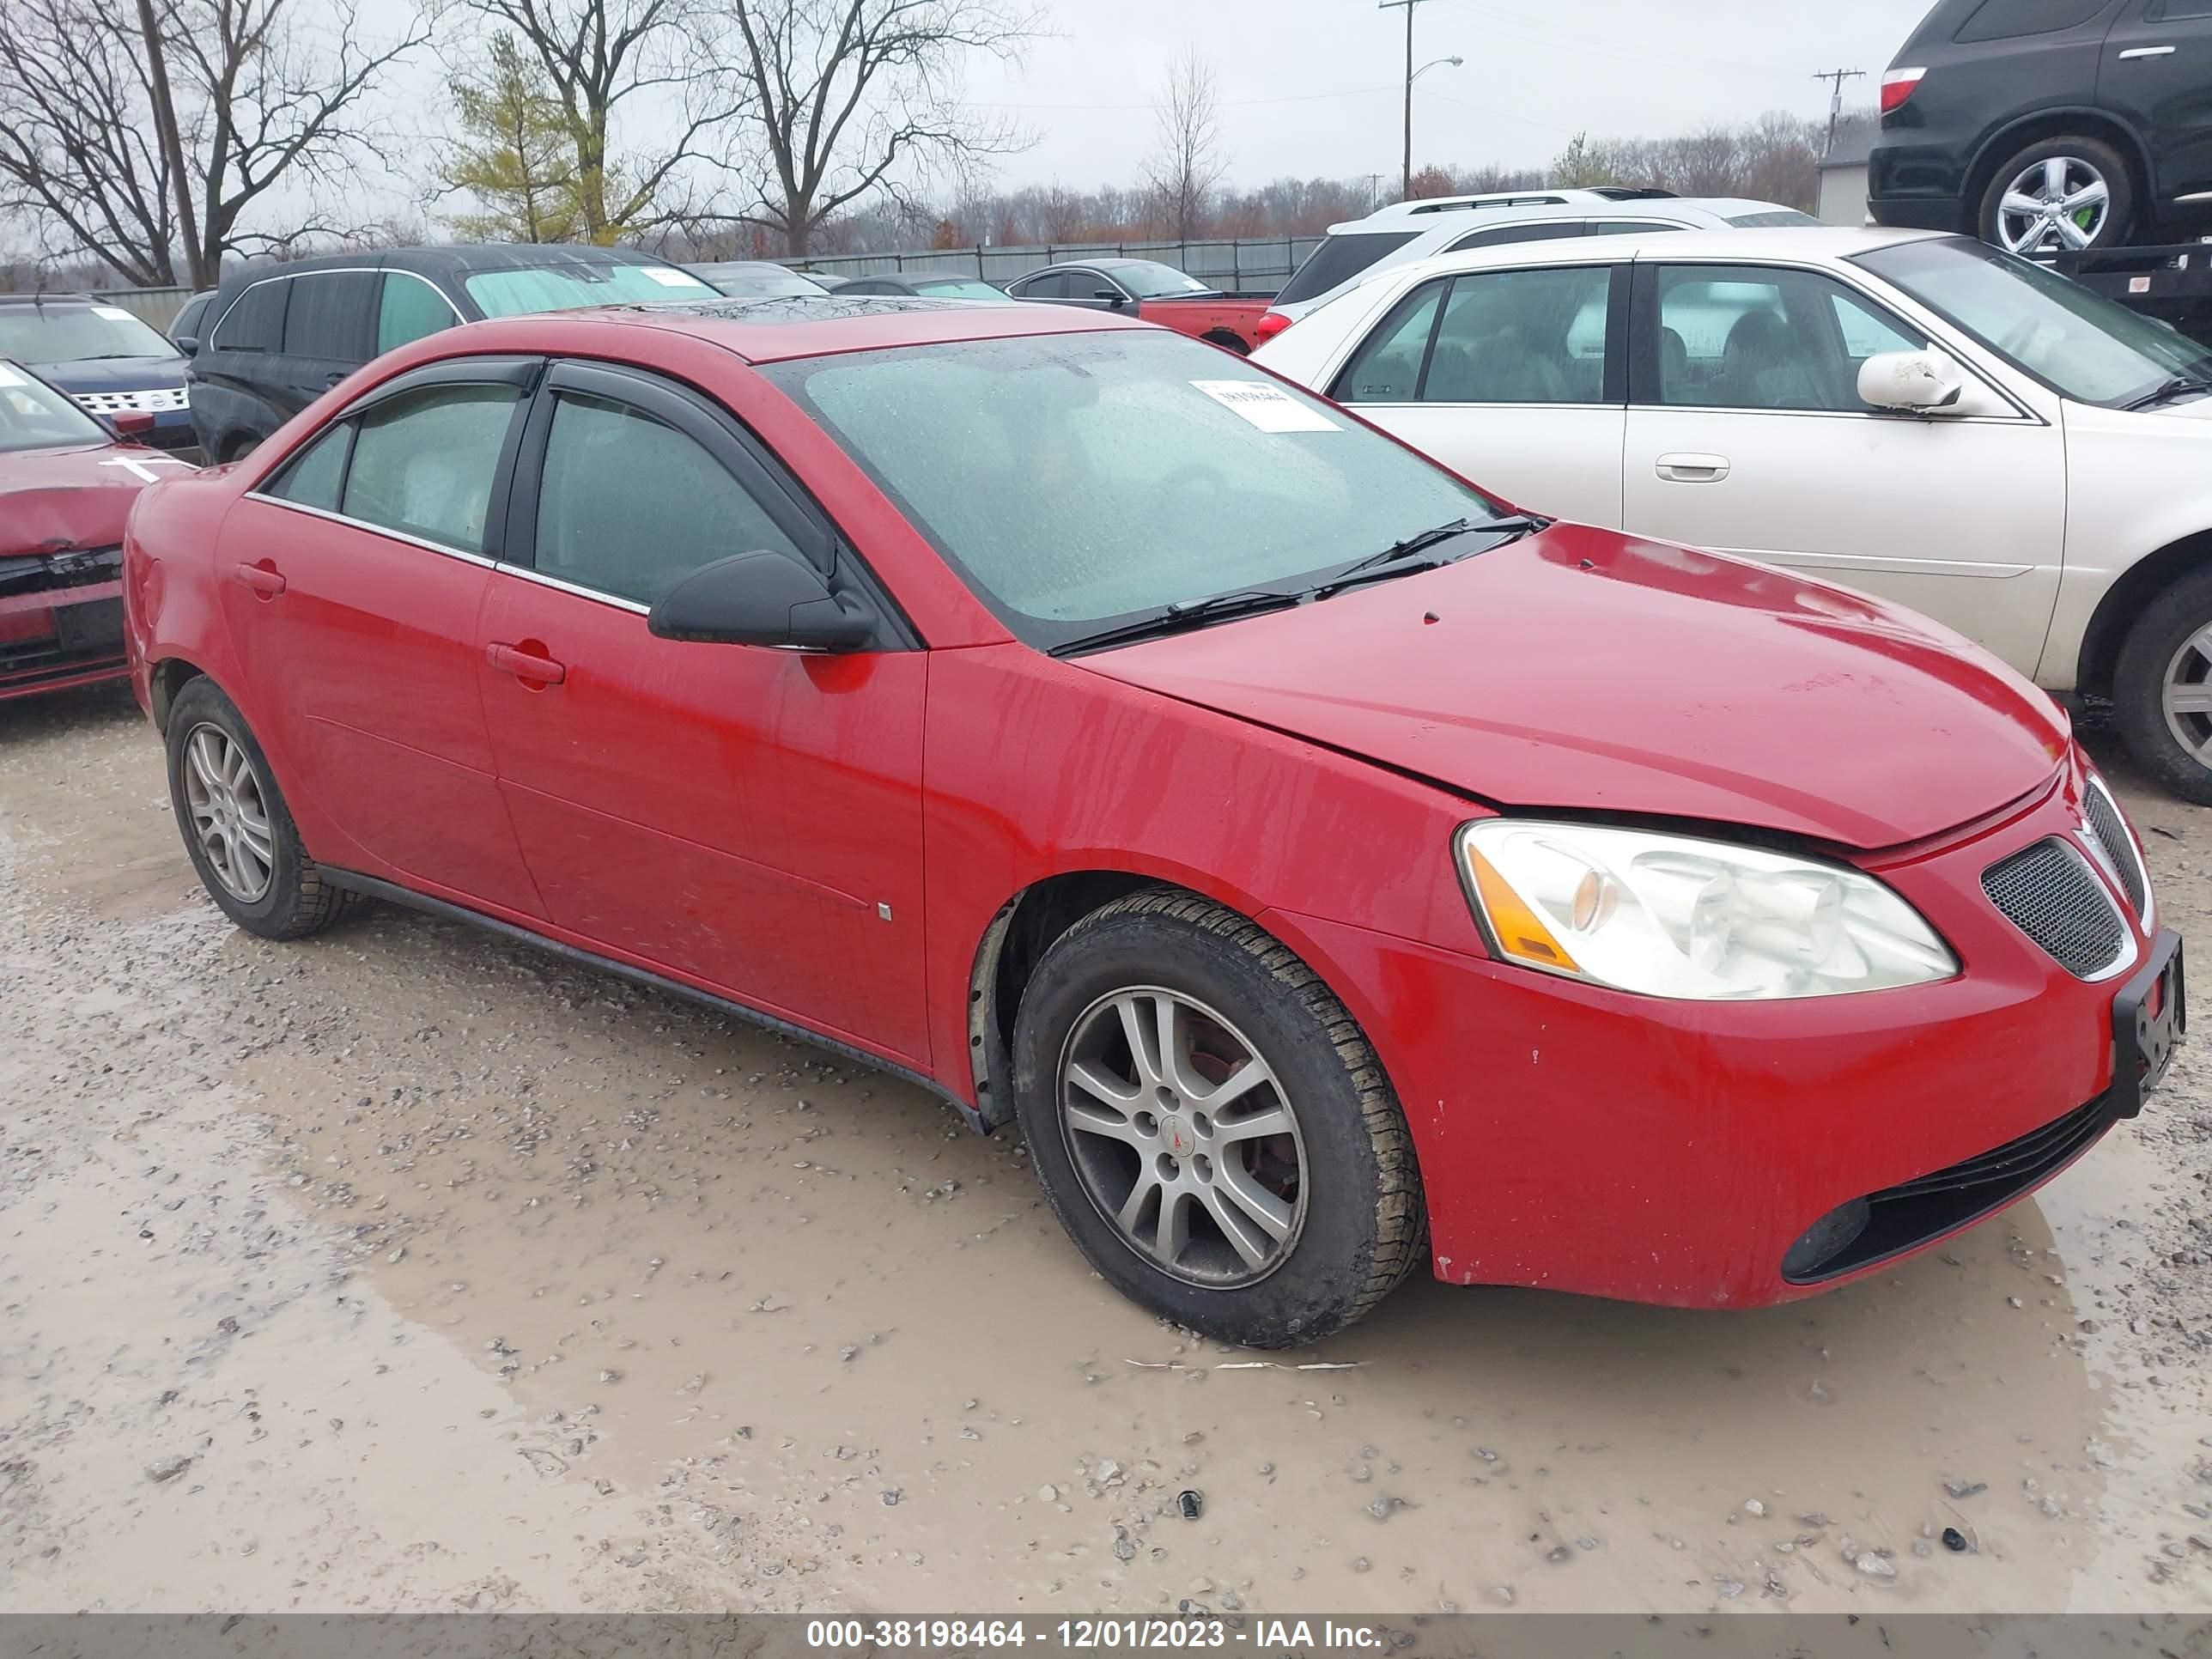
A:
x,y
1510,378
2156,75
743,819
1747,434
354,580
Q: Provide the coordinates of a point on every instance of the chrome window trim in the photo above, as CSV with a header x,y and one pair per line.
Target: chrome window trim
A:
x,y
2096,843
215,344
384,531
577,588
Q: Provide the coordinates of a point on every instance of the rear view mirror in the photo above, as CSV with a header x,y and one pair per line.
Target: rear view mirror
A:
x,y
1917,381
762,598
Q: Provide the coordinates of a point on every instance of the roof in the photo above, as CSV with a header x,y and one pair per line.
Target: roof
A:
x,y
53,300
1456,220
450,259
1792,243
766,331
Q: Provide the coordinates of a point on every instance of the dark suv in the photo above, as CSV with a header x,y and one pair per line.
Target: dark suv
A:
x,y
277,337
108,360
2041,125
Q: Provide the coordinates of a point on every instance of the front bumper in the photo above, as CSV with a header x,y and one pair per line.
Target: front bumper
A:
x,y
61,622
1578,1138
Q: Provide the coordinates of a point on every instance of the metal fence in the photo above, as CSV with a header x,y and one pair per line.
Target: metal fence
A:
x,y
1260,263
157,305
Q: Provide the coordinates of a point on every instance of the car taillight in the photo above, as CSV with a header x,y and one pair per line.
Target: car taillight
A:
x,y
1897,86
1269,325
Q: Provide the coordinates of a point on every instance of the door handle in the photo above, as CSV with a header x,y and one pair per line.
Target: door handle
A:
x,y
262,579
1692,468
2146,52
525,665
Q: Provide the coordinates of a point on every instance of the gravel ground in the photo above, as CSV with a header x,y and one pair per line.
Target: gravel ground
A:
x,y
407,1268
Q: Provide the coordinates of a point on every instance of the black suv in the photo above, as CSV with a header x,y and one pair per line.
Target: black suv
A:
x,y
279,337
2041,125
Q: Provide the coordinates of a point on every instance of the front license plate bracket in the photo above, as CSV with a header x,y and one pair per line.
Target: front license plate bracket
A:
x,y
2149,1017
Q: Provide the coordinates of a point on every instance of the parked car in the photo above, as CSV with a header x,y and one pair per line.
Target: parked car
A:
x,y
2041,125
280,337
1156,293
1410,231
1324,865
1947,426
757,279
186,323
925,284
67,481
103,356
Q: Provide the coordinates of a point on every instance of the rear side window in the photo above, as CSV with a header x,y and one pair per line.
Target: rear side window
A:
x,y
255,321
1053,286
631,507
314,476
408,309
1548,230
2008,20
329,315
1632,227
1521,337
1340,258
2162,10
1773,218
424,464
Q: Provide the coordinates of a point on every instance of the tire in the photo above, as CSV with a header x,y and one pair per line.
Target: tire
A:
x,y
294,900
1356,1221
1228,341
2157,646
2082,157
239,447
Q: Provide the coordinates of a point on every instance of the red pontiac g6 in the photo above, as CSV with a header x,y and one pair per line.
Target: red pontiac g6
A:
x,y
1325,866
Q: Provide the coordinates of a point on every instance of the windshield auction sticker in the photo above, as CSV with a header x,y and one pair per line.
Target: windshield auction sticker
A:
x,y
1268,407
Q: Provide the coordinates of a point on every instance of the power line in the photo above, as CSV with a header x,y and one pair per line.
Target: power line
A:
x,y
1836,77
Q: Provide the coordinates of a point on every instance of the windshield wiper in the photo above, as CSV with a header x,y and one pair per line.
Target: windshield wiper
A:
x,y
1185,613
2180,386
1404,558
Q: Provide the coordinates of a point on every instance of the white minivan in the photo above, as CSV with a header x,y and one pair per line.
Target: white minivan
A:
x,y
1919,416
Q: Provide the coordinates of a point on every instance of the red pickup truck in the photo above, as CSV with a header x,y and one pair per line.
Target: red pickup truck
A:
x,y
1156,293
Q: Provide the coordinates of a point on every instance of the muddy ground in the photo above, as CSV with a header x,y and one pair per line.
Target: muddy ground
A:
x,y
407,1268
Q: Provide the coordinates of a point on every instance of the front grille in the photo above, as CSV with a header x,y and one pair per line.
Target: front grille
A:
x,y
2049,892
2110,830
155,400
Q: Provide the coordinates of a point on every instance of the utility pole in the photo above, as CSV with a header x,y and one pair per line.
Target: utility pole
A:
x,y
1373,191
1406,182
1835,77
172,148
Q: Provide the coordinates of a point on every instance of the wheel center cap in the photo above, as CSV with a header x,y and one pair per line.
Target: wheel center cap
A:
x,y
1178,1137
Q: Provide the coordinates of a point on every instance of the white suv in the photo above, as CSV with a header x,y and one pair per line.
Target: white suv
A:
x,y
1922,416
1407,231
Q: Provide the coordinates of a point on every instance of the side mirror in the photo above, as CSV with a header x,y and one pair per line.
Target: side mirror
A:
x,y
1917,381
761,599
1112,296
188,343
129,426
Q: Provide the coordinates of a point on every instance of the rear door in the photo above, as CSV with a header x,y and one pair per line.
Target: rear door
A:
x,y
1514,379
1746,434
329,331
743,819
2157,74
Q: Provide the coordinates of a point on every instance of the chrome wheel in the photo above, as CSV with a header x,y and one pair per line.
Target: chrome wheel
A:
x,y
2186,696
229,812
1182,1137
2061,203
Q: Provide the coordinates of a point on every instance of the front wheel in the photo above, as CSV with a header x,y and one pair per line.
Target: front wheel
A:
x,y
2162,688
2068,192
1210,1127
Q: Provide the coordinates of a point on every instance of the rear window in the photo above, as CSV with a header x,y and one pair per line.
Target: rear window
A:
x,y
544,288
960,287
2008,20
1772,219
1339,259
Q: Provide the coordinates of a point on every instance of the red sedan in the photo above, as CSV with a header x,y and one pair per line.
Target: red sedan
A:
x,y
66,485
1326,866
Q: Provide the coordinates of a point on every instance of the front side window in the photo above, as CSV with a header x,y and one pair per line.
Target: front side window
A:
x,y
631,507
1751,338
33,415
2079,344
315,476
563,287
408,309
329,315
255,321
1072,479
425,463
74,334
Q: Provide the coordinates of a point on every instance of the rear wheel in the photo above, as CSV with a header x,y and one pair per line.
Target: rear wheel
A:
x,y
2061,193
1210,1127
2162,688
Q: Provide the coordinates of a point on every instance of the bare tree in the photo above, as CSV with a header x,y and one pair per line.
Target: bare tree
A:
x,y
266,92
1190,161
600,56
857,98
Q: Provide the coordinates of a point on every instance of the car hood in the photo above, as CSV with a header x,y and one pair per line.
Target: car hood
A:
x,y
54,500
114,373
1580,668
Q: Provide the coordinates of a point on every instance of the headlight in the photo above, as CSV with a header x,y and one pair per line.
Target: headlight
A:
x,y
1678,916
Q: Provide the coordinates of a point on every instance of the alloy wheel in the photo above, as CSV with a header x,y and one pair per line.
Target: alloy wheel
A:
x,y
2053,204
229,812
2186,696
1182,1137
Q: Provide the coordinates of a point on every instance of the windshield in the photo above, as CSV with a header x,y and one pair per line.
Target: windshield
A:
x,y
2077,343
957,288
760,282
33,415
558,288
1079,479
71,333
1149,281
1339,259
